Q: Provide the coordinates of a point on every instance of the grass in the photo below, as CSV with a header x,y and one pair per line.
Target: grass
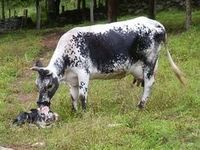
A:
x,y
171,119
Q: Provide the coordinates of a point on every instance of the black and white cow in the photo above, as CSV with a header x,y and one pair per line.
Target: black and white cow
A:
x,y
104,51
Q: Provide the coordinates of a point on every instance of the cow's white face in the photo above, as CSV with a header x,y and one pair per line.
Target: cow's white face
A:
x,y
47,84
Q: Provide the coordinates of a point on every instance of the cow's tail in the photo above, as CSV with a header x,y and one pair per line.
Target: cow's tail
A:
x,y
179,74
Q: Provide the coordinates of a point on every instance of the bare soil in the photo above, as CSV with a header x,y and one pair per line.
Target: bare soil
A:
x,y
50,40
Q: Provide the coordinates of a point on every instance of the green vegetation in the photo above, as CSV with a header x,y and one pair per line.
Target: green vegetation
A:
x,y
171,119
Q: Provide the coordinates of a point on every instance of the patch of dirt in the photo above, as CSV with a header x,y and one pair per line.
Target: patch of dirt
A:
x,y
26,97
18,91
50,41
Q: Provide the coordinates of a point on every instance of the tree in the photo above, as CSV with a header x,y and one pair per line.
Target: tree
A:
x,y
38,14
95,4
188,20
57,7
46,7
152,9
3,10
112,10
100,3
78,4
53,10
83,4
83,10
92,11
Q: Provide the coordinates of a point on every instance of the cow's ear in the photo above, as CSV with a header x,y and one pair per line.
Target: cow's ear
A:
x,y
42,71
36,68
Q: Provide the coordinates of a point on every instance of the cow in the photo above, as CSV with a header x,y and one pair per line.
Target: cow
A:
x,y
103,51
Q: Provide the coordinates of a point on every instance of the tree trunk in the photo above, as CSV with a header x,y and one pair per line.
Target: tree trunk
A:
x,y
78,4
112,10
188,21
57,4
25,17
46,8
15,13
106,4
92,11
53,10
3,9
100,4
38,14
83,10
95,4
83,4
152,9
9,13
63,9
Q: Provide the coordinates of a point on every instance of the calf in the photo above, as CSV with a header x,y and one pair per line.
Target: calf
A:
x,y
104,51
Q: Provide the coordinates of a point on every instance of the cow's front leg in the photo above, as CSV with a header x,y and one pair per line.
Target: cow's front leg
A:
x,y
148,82
83,78
74,97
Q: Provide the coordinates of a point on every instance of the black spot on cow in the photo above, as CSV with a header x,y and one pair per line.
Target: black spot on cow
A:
x,y
55,85
83,102
159,37
61,64
81,84
107,48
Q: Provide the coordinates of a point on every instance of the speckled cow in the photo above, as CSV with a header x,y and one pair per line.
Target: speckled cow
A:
x,y
104,51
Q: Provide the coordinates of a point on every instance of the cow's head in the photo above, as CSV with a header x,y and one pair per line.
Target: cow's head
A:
x,y
47,84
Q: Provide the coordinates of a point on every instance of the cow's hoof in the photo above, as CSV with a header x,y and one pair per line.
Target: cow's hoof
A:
x,y
141,104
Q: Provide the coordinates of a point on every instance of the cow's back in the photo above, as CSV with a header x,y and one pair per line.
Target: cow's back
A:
x,y
110,47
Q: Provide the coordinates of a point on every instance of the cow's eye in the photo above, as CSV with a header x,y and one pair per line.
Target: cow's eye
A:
x,y
49,86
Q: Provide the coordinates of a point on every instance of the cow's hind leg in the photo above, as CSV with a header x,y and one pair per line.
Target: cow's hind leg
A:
x,y
74,97
83,78
148,82
149,72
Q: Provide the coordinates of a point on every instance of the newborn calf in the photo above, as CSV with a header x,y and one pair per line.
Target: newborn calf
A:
x,y
42,117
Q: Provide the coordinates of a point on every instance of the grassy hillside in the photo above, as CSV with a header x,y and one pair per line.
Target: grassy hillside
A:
x,y
171,119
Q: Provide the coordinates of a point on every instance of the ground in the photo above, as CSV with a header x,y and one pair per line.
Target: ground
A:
x,y
171,119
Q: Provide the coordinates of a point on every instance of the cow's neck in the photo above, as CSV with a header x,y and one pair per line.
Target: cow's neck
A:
x,y
57,65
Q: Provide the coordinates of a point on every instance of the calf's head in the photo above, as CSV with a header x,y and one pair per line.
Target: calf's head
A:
x,y
47,84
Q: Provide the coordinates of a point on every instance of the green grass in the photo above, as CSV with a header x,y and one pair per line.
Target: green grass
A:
x,y
171,119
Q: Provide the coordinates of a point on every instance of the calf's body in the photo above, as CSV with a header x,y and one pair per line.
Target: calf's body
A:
x,y
104,51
